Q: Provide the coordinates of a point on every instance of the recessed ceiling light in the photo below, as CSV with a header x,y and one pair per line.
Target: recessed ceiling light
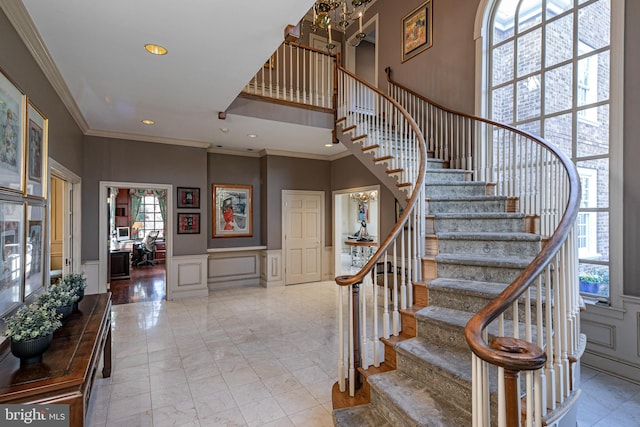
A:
x,y
249,149
252,135
155,49
328,145
148,122
219,146
224,130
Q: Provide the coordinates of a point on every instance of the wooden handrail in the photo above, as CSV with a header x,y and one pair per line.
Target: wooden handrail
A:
x,y
510,353
358,277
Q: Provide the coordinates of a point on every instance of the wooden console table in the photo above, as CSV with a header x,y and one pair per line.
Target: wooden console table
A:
x,y
68,367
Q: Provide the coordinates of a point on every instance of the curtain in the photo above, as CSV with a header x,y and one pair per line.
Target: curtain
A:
x,y
113,193
136,200
162,201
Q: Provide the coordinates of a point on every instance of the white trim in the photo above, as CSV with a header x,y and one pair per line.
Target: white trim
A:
x,y
26,29
75,182
616,154
147,138
103,238
350,49
483,14
236,249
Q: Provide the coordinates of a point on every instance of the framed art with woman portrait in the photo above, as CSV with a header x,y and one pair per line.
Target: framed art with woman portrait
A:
x,y
232,210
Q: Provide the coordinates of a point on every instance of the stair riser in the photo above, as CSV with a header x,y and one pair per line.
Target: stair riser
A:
x,y
442,334
435,190
464,206
495,248
479,273
515,225
388,410
457,390
449,176
472,303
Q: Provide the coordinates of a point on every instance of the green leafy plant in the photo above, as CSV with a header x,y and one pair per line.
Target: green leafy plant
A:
x,y
32,321
75,280
60,295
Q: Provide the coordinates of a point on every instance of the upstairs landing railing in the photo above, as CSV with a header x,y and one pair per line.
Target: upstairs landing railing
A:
x,y
544,185
296,74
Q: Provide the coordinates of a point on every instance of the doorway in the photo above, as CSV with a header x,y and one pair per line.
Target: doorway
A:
x,y
361,56
136,223
64,230
356,227
302,235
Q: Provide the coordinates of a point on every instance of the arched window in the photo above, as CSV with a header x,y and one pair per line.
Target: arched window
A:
x,y
549,74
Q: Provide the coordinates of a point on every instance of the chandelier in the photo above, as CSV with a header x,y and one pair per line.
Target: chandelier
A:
x,y
334,14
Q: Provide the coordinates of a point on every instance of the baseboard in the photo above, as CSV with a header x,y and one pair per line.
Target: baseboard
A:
x,y
601,362
271,284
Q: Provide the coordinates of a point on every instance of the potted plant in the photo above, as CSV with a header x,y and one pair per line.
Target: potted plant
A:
x,y
76,281
589,283
30,330
60,297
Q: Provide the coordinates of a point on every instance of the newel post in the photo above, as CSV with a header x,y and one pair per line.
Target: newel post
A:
x,y
334,98
357,360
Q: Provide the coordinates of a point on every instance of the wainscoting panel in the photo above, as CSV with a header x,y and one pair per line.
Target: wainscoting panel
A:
x,y
272,273
187,277
91,271
233,267
613,337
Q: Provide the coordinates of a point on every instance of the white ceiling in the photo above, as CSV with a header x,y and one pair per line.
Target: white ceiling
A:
x,y
214,46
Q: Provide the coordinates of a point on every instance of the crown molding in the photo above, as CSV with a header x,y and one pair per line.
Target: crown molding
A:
x,y
216,150
24,26
271,152
147,138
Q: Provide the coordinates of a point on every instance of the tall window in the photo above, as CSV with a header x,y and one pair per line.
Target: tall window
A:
x,y
149,216
550,75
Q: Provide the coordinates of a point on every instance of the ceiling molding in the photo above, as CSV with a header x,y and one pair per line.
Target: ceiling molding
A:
x,y
147,138
216,150
271,152
340,155
21,21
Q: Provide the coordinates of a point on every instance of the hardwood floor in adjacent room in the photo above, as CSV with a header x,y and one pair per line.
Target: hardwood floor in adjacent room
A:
x,y
147,283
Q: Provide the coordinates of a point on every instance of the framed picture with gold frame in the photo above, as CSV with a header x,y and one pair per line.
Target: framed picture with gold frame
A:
x,y
36,165
12,131
417,31
232,210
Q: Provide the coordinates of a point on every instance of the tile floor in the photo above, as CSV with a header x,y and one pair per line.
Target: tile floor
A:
x,y
252,356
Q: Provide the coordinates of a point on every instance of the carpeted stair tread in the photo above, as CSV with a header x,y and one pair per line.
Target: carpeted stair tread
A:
x,y
488,290
457,183
445,315
470,199
361,415
418,351
509,236
476,215
411,403
505,262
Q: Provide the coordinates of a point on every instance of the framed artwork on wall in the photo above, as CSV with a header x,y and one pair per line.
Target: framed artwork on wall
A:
x,y
12,130
232,210
12,253
36,165
188,223
34,269
417,31
188,197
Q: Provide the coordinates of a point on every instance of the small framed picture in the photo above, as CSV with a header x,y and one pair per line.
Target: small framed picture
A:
x,y
417,31
36,152
188,223
188,197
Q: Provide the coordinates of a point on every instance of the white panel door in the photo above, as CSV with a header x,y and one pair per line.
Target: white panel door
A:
x,y
303,218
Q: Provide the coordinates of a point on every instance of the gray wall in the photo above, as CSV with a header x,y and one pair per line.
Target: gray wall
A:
x,y
631,150
108,159
446,71
366,62
289,173
225,169
65,137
